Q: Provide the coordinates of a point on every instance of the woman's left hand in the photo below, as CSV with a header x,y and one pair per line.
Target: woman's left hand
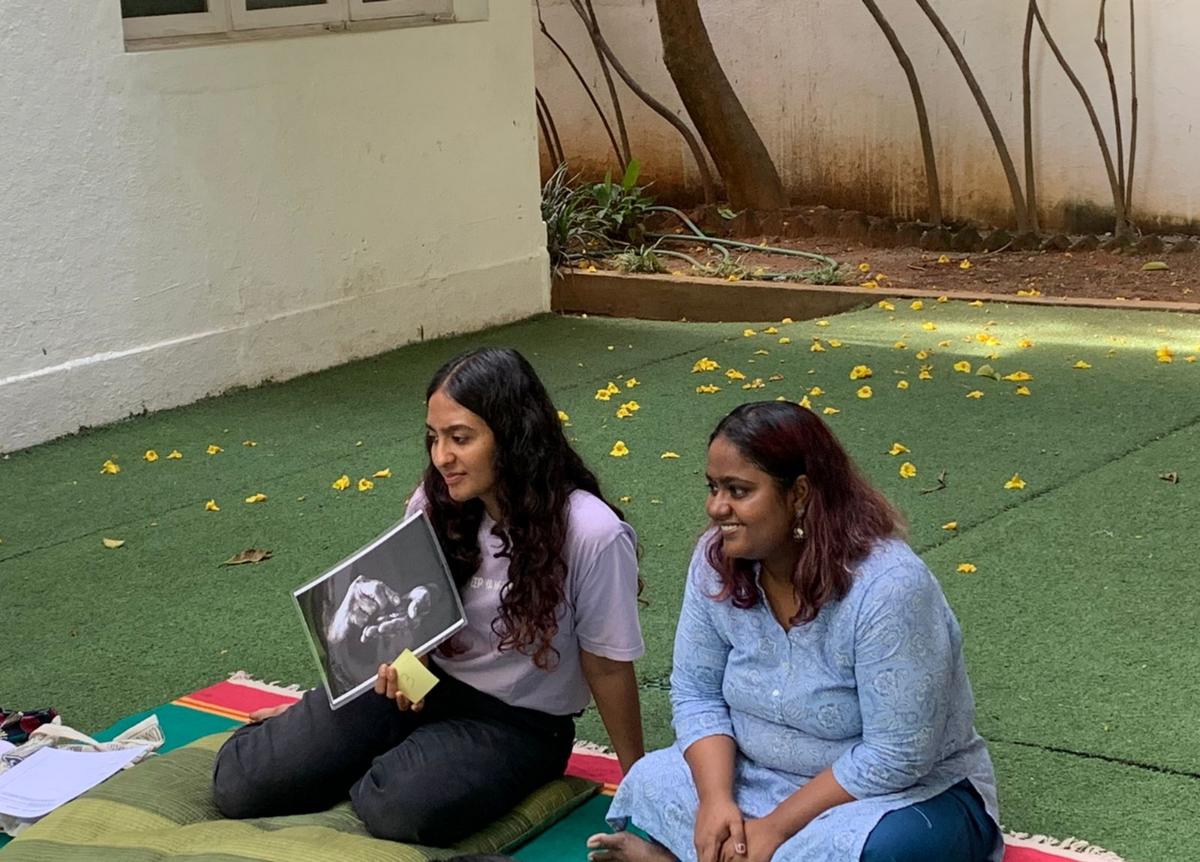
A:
x,y
386,683
762,840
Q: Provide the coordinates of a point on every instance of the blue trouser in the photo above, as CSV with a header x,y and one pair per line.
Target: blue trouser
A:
x,y
430,777
951,827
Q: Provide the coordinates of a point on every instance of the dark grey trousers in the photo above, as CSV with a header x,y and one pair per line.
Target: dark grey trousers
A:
x,y
432,777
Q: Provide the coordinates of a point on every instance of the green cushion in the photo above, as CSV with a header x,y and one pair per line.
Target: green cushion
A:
x,y
162,809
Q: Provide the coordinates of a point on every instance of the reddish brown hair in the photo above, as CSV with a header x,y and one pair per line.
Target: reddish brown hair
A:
x,y
843,518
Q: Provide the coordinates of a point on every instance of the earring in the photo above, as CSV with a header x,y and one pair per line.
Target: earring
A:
x,y
798,529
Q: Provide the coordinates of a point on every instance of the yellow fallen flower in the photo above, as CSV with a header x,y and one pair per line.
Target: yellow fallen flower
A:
x,y
734,374
707,389
900,345
943,299
1018,376
1024,343
613,389
150,456
756,383
835,343
816,392
786,321
770,330
804,402
975,393
864,392
785,340
950,525
831,411
632,382
822,323
929,326
669,456
922,354
817,346
249,444
619,449
864,267
967,568
341,483
943,258
257,498
110,467
944,343
976,304
603,395
898,449
962,366
916,305
1022,390
926,373
1032,291
901,384
365,484
749,333
965,264
761,352
870,284
908,470
859,372
211,506
563,417
174,455
624,412
1083,366
385,473
776,377
1016,483
214,449
1164,354
705,364
886,306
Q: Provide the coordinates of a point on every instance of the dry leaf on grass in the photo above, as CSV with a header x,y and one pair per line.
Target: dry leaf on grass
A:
x,y
250,555
112,544
1171,477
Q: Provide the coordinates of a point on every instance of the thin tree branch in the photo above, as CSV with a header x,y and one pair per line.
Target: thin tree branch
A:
x,y
933,192
1010,172
706,178
1133,112
626,152
1102,45
583,82
1118,197
554,141
1027,107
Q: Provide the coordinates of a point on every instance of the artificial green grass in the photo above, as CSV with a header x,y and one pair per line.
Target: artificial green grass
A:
x,y
1058,619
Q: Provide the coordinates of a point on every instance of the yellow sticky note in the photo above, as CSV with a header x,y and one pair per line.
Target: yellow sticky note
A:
x,y
413,679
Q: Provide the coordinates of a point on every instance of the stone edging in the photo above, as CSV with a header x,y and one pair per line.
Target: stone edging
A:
x,y
707,300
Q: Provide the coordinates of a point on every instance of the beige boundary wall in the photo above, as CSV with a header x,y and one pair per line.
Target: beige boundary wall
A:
x,y
181,221
833,107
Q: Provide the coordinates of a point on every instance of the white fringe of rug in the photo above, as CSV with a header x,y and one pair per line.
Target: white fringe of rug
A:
x,y
1067,848
582,746
275,686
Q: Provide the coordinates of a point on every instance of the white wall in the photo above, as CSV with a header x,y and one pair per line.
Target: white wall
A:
x,y
181,221
833,107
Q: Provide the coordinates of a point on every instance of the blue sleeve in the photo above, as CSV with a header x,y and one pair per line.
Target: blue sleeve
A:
x,y
903,664
701,652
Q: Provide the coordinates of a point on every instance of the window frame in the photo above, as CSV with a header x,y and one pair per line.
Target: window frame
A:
x,y
361,10
327,12
216,20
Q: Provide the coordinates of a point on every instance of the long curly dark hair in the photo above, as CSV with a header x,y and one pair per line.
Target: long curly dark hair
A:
x,y
536,471
843,517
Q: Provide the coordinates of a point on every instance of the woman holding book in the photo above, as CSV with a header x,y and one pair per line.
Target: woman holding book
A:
x,y
548,575
821,704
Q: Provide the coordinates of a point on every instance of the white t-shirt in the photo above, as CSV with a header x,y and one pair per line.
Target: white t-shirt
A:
x,y
599,613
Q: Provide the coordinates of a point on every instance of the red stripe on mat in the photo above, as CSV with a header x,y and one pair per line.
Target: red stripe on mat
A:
x,y
237,699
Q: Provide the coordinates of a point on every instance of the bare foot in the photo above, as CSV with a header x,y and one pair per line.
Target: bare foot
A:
x,y
625,847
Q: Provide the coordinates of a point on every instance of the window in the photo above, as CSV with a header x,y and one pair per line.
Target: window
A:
x,y
159,19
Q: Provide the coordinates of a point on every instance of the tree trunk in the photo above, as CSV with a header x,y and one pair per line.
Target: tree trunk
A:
x,y
750,177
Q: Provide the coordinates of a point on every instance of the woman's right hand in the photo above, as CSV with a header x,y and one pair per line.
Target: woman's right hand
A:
x,y
719,821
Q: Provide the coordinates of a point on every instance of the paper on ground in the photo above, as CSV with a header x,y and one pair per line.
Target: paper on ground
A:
x,y
51,777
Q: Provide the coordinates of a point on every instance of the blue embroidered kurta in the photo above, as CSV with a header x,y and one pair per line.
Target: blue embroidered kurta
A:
x,y
875,687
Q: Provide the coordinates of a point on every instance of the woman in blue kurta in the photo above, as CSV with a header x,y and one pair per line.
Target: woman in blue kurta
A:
x,y
821,703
